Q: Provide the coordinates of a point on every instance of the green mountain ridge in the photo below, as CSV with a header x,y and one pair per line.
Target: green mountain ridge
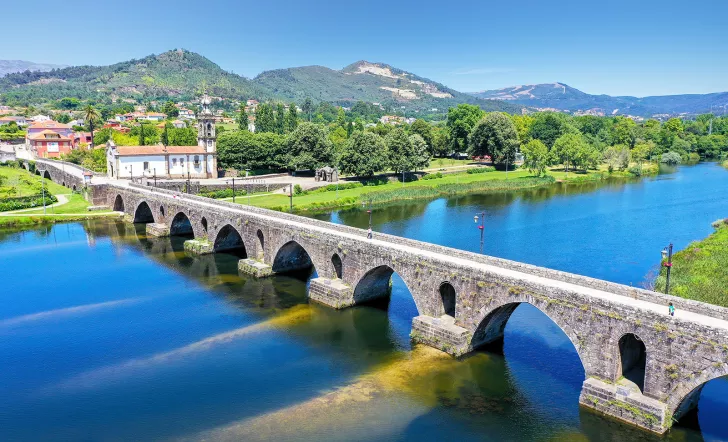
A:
x,y
183,75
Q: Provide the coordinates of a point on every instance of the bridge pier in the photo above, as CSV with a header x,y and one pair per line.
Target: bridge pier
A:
x,y
332,292
199,247
256,268
441,333
157,229
625,404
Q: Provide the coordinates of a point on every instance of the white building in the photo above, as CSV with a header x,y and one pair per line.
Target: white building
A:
x,y
168,161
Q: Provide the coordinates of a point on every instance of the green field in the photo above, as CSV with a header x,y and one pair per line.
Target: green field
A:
x,y
454,183
15,182
699,271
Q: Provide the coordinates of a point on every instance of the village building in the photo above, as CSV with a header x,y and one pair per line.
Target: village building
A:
x,y
169,161
20,121
49,144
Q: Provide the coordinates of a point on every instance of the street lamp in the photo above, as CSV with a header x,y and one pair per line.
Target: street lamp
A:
x,y
155,177
369,211
667,253
481,227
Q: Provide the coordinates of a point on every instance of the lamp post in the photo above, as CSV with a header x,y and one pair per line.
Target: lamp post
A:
x,y
667,253
155,177
233,189
188,181
369,211
481,226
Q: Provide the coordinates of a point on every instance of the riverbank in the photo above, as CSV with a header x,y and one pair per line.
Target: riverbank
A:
x,y
352,194
699,271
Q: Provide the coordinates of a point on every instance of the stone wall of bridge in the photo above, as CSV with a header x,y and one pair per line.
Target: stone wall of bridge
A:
x,y
680,355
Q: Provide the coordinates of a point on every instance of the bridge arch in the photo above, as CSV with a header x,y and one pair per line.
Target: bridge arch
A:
x,y
143,214
47,175
377,283
118,203
229,239
261,244
291,257
685,398
181,225
162,211
338,265
632,359
491,328
203,222
448,297
74,188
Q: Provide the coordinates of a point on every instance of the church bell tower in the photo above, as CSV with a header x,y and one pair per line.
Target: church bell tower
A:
x,y
206,127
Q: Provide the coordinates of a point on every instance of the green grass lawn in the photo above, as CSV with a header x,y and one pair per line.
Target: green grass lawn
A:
x,y
24,183
76,204
699,271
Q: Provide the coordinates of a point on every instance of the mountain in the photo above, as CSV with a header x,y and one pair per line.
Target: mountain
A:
x,y
370,82
177,74
182,75
12,66
564,97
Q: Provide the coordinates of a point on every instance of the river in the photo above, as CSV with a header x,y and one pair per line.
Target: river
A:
x,y
108,335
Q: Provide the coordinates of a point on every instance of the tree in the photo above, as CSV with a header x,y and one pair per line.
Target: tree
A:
x,y
264,119
495,135
280,118
536,156
624,131
341,118
291,118
566,148
616,157
170,109
69,103
423,129
242,118
640,152
523,125
309,147
460,121
91,116
401,153
307,108
141,134
64,118
421,152
547,127
363,155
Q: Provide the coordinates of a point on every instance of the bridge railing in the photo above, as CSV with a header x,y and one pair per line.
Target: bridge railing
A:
x,y
59,164
572,278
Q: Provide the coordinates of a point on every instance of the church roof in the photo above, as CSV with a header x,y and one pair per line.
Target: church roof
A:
x,y
158,150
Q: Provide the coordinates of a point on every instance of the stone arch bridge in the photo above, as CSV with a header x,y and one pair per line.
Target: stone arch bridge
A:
x,y
641,365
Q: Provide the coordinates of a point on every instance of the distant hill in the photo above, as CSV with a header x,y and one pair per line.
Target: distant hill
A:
x,y
564,97
177,74
12,66
370,82
182,75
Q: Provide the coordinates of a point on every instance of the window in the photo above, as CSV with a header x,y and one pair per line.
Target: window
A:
x,y
174,162
181,162
146,165
197,160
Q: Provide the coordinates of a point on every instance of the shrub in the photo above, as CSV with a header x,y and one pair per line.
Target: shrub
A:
x,y
671,158
332,187
26,202
223,193
432,176
297,190
483,169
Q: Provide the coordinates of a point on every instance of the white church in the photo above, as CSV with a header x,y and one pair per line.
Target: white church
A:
x,y
125,162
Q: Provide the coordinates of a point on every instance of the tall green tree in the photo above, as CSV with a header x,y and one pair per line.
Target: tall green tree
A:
x,y
291,118
421,152
280,118
401,153
495,135
566,149
363,155
170,109
536,157
265,121
309,147
460,121
307,109
423,129
91,116
242,118
548,127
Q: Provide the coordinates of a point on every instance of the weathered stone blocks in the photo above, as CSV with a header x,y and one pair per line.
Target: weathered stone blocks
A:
x,y
332,292
254,268
157,229
199,246
441,333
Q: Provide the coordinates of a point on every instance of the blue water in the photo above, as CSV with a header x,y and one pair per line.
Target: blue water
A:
x,y
108,335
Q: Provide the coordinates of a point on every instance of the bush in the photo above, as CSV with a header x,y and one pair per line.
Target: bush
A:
x,y
26,202
223,193
693,157
481,169
671,158
332,187
432,176
297,190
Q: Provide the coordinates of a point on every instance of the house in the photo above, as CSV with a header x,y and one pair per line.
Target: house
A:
x,y
168,161
49,144
179,124
153,116
39,118
82,137
20,121
186,114
7,153
60,128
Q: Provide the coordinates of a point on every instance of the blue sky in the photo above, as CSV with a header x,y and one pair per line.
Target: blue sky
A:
x,y
638,47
